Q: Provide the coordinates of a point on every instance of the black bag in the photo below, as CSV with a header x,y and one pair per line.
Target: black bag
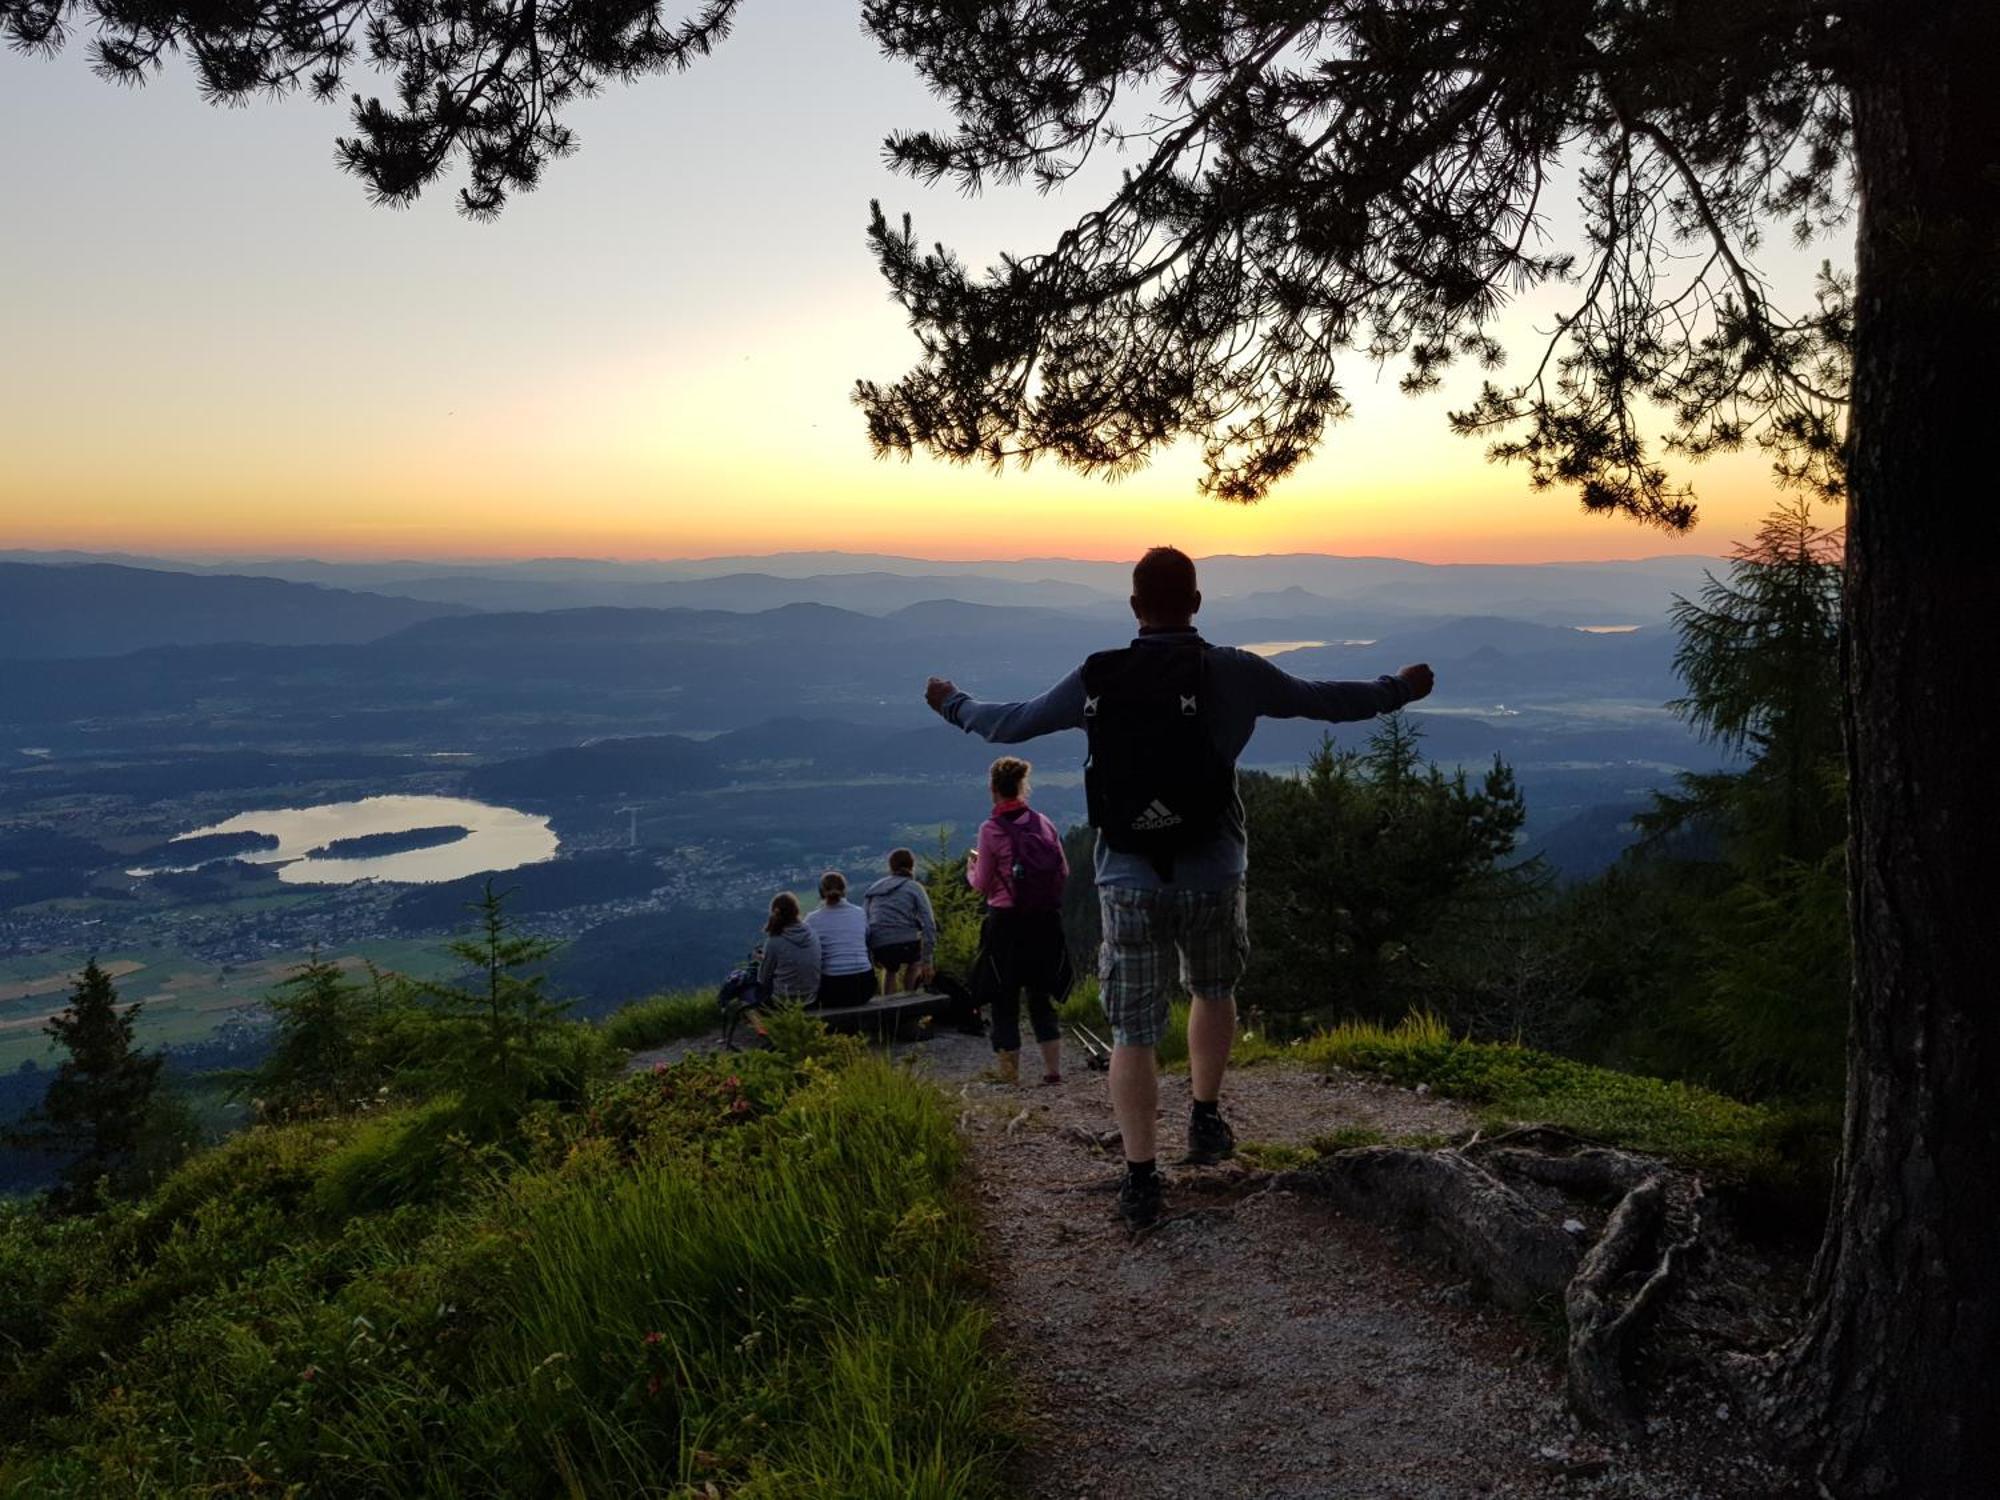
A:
x,y
1154,782
960,1009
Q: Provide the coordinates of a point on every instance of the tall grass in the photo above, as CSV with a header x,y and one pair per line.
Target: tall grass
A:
x,y
659,1019
812,1318
759,1279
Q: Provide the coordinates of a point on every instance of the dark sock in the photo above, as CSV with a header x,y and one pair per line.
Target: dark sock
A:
x,y
1205,1108
1139,1171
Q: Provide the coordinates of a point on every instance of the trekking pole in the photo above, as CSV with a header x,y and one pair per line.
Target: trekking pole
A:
x,y
1097,1057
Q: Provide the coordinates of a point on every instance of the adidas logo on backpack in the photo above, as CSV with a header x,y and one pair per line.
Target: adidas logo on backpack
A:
x,y
1155,817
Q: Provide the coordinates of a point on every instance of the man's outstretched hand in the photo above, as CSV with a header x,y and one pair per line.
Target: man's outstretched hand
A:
x,y
938,691
1418,679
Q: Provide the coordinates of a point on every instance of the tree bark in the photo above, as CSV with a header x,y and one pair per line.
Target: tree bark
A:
x,y
1889,1388
1457,1211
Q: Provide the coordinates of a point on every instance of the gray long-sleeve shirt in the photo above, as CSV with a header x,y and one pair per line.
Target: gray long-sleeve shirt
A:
x,y
790,965
1243,688
899,911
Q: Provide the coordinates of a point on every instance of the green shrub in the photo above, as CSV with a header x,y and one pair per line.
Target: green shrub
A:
x,y
323,1058
409,1156
112,1281
956,906
659,1019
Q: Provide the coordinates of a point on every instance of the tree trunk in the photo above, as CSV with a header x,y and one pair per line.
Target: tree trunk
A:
x,y
1889,1388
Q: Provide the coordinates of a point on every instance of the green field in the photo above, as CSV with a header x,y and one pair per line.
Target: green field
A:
x,y
186,999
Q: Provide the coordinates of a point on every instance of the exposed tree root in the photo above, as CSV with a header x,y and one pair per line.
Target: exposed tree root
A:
x,y
1500,1211
1638,1243
1594,1174
1455,1209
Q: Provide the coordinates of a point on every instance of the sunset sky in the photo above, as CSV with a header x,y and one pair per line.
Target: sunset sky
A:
x,y
213,344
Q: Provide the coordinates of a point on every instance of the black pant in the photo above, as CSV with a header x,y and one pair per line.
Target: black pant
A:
x,y
837,991
1022,952
894,956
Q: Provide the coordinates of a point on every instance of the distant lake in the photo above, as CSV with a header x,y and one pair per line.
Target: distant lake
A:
x,y
1607,629
1279,648
497,838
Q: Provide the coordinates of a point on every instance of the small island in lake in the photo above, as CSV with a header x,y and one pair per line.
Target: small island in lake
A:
x,y
397,841
202,848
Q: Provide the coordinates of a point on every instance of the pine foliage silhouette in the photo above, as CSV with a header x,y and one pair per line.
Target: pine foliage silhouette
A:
x,y
1314,182
96,1107
322,1055
1759,656
488,1032
485,83
1364,862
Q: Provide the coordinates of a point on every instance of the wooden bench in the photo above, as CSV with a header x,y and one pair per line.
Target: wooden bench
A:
x,y
884,1018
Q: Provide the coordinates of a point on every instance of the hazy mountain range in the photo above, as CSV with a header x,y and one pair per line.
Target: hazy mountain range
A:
x,y
78,604
102,609
185,687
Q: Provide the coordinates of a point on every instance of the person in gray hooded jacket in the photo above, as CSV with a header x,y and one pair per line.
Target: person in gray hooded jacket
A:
x,y
902,928
789,967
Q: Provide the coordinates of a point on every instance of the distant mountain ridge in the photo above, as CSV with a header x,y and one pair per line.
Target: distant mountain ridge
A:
x,y
1594,593
83,609
641,671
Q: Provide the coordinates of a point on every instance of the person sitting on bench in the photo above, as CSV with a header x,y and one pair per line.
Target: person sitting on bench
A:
x,y
846,973
788,968
902,928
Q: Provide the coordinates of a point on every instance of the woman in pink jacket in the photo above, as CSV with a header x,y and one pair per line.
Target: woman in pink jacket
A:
x,y
1020,868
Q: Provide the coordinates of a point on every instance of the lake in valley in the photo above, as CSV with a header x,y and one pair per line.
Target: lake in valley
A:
x,y
496,838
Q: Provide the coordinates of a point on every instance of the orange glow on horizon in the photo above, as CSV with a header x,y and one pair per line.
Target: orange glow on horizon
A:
x,y
922,510
687,439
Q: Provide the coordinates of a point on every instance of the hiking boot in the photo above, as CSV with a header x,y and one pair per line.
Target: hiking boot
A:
x,y
1006,1067
1139,1200
1209,1139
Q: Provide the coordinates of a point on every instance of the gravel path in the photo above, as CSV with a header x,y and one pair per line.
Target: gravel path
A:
x,y
1256,1346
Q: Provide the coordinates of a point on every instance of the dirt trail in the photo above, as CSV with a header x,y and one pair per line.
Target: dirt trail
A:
x,y
1256,1345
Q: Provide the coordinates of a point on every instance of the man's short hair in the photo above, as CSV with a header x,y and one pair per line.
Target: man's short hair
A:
x,y
1163,582
902,862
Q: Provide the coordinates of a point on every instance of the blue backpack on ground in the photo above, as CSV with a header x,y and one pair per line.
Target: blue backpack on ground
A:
x,y
740,992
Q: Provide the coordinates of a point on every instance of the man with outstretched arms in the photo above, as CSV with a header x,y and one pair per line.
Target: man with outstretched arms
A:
x,y
1167,717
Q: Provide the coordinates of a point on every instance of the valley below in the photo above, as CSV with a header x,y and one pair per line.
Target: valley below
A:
x,y
641,780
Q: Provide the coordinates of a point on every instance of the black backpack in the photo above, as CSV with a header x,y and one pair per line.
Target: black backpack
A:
x,y
1154,782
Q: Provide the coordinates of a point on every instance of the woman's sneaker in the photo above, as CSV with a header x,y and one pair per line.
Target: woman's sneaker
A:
x,y
1209,1139
1139,1200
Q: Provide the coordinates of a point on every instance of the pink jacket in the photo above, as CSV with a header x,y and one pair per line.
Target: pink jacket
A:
x,y
990,870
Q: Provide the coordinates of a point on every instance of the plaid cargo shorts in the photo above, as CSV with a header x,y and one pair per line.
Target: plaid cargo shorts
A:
x,y
1144,933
